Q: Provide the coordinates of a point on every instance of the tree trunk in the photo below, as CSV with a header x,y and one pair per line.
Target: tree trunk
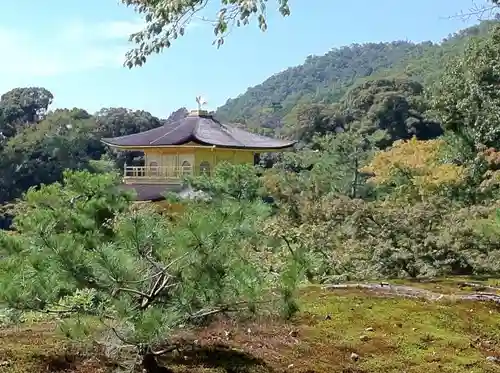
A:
x,y
354,183
150,365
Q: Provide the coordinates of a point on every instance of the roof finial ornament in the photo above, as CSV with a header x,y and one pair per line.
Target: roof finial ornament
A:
x,y
200,101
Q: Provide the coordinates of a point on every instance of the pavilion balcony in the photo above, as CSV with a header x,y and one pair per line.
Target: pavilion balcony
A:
x,y
156,174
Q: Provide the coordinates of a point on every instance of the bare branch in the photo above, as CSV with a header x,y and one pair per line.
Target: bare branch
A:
x,y
171,348
234,307
132,291
480,12
120,337
130,282
177,260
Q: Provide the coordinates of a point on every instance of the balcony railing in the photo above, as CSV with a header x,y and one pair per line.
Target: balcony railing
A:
x,y
156,174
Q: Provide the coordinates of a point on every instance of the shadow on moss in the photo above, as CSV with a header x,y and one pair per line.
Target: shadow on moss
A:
x,y
219,357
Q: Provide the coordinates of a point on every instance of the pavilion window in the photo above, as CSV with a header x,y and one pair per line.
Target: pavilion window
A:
x,y
205,168
186,168
153,168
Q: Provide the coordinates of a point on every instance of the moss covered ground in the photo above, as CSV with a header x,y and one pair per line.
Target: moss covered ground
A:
x,y
348,331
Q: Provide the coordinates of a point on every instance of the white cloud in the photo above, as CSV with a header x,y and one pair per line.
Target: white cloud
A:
x,y
108,31
119,29
67,48
70,48
113,30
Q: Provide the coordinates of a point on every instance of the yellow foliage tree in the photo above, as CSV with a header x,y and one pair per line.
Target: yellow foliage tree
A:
x,y
415,165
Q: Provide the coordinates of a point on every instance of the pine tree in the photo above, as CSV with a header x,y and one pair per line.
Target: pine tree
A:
x,y
82,249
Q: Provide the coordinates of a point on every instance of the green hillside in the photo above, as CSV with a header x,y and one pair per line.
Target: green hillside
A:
x,y
325,79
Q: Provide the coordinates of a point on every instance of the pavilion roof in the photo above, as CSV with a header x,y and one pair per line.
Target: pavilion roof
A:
x,y
201,128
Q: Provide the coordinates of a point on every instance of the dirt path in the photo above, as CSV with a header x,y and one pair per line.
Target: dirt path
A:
x,y
415,292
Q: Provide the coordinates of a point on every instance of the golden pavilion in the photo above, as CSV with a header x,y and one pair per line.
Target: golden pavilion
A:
x,y
191,146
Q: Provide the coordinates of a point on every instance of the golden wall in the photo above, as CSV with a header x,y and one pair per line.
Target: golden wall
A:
x,y
171,157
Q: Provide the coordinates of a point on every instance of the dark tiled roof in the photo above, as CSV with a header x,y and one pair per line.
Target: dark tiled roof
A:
x,y
147,192
201,129
155,192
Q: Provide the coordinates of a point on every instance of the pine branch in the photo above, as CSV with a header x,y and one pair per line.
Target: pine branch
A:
x,y
173,347
68,310
156,292
234,307
132,291
142,253
177,260
120,337
130,282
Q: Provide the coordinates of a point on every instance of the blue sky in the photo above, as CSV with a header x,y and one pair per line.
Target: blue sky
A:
x,y
76,48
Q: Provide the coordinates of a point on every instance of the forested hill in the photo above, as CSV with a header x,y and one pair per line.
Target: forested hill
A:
x,y
325,79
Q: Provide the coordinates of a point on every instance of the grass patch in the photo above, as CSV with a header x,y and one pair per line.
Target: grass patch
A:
x,y
394,334
39,348
387,335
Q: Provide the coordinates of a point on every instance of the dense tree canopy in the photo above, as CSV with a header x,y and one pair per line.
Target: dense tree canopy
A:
x,y
114,122
21,106
390,109
32,103
467,99
62,139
